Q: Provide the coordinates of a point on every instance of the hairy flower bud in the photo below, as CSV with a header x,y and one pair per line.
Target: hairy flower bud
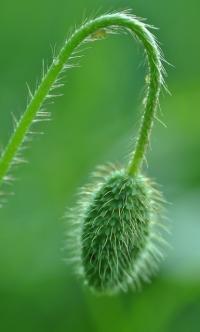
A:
x,y
117,232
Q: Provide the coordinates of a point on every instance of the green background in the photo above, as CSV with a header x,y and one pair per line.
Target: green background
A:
x,y
94,122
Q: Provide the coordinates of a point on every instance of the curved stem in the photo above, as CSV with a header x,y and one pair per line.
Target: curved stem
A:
x,y
124,20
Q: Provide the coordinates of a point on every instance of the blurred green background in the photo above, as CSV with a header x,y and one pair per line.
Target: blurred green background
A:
x,y
94,122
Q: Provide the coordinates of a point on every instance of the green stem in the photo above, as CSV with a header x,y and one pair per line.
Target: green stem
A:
x,y
133,25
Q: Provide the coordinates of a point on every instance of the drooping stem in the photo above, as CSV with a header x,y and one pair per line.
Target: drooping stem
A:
x,y
115,20
154,85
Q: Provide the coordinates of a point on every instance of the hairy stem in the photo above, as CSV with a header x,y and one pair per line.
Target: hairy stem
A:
x,y
115,20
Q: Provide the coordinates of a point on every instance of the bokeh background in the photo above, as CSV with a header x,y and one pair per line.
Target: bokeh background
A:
x,y
94,122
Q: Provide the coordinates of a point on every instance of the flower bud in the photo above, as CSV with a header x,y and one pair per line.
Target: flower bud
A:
x,y
117,231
